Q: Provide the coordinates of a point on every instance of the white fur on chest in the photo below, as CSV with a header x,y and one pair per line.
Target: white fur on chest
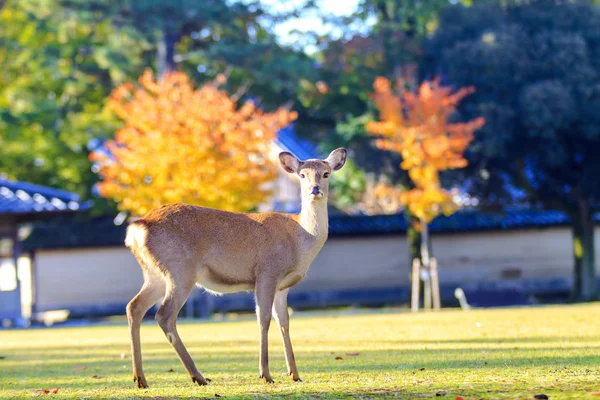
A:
x,y
310,248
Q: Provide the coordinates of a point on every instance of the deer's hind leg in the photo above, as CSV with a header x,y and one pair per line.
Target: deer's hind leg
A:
x,y
152,290
177,293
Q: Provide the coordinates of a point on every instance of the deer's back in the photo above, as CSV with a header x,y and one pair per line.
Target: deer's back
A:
x,y
228,246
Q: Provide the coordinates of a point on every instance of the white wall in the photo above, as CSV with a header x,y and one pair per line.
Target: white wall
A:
x,y
486,256
85,277
88,277
363,262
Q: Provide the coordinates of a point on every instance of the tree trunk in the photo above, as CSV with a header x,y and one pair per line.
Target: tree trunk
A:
x,y
166,50
584,283
413,237
425,243
425,261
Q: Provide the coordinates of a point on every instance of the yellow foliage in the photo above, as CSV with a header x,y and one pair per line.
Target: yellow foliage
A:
x,y
428,203
416,126
184,144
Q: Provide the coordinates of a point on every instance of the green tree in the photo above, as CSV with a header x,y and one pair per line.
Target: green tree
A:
x,y
58,66
61,59
536,66
206,38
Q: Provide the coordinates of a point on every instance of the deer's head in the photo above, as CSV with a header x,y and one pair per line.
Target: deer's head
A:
x,y
313,174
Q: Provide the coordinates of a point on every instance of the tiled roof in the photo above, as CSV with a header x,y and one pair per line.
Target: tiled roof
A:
x,y
463,221
301,148
19,198
102,231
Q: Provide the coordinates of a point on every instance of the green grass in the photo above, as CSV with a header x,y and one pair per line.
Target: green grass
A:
x,y
489,354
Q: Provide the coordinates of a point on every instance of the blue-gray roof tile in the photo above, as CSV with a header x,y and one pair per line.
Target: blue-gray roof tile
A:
x,y
26,198
103,232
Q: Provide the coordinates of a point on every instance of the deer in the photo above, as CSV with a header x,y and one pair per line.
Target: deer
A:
x,y
179,246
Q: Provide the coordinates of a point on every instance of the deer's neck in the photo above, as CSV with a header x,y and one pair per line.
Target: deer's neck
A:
x,y
314,219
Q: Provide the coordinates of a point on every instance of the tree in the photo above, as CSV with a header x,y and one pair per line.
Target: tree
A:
x,y
56,72
416,126
205,38
190,145
391,47
536,66
61,60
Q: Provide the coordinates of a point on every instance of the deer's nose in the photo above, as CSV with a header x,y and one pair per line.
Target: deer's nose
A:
x,y
315,190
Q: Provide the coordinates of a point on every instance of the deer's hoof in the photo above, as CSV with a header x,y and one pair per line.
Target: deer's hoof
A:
x,y
141,381
199,380
267,378
295,376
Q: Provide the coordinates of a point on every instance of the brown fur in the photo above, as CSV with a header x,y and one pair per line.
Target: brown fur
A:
x,y
180,245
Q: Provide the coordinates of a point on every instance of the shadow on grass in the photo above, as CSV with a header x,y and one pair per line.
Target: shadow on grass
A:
x,y
65,360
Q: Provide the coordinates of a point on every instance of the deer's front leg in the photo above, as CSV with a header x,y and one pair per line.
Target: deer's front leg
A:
x,y
283,320
265,293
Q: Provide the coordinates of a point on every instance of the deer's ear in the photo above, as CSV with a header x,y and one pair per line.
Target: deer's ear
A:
x,y
337,159
289,162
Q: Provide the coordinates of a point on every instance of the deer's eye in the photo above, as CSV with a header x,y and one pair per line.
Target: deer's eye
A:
x,y
302,176
326,175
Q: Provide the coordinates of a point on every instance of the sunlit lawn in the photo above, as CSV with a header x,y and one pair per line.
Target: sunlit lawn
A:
x,y
491,354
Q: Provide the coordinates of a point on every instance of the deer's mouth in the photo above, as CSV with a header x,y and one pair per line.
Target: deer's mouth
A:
x,y
316,196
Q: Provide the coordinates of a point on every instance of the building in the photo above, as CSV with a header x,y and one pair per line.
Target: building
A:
x,y
21,203
518,257
286,193
498,259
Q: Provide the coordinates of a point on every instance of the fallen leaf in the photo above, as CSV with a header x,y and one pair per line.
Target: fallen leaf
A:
x,y
593,393
218,395
50,391
352,354
339,358
97,377
459,398
80,367
540,397
171,370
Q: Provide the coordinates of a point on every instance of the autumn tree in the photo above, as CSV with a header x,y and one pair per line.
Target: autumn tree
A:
x,y
416,125
181,143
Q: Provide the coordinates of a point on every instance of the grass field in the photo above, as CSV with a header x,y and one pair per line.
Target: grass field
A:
x,y
489,354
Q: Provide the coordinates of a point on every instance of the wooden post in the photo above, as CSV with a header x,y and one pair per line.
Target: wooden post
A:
x,y
426,263
426,289
416,282
435,284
